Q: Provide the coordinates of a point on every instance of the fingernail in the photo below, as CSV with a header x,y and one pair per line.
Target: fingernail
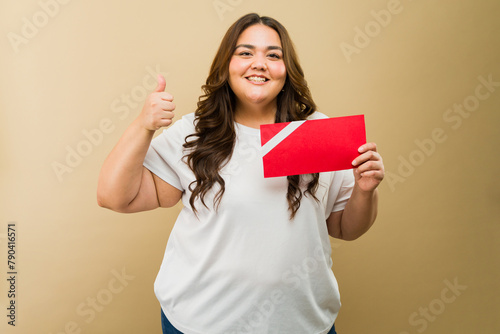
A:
x,y
354,162
360,149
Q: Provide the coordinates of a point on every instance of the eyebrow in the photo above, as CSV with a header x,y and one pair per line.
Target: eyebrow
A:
x,y
252,47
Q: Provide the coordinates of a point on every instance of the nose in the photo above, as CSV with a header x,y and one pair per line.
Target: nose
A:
x,y
259,65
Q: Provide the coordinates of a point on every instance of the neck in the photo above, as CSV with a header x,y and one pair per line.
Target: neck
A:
x,y
255,115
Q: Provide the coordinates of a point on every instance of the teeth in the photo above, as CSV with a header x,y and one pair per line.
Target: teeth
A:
x,y
257,79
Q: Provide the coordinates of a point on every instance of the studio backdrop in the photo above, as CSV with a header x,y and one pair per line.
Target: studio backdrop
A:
x,y
426,75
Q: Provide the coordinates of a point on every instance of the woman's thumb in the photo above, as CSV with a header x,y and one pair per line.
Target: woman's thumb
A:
x,y
161,84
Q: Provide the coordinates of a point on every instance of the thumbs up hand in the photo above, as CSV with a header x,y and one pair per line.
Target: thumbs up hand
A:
x,y
158,108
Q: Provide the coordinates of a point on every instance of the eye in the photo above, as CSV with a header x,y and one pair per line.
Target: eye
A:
x,y
275,55
244,54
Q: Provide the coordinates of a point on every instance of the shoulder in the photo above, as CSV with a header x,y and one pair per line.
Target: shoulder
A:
x,y
183,126
317,115
188,118
187,121
174,136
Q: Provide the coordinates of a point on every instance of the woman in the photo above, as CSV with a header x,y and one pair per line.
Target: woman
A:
x,y
247,254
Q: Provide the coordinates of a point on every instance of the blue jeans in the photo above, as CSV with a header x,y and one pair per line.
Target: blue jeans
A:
x,y
168,328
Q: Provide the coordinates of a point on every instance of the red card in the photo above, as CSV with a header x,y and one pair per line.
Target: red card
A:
x,y
311,146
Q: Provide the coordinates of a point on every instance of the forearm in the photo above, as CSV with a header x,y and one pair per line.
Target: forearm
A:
x,y
121,174
359,213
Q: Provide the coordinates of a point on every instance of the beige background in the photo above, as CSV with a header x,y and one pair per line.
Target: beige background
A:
x,y
438,220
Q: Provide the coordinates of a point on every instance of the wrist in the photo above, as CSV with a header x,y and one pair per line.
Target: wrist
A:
x,y
364,193
138,125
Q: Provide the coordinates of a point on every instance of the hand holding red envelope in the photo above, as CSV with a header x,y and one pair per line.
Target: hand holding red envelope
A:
x,y
311,146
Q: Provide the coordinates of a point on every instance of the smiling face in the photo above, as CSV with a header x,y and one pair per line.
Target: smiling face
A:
x,y
257,72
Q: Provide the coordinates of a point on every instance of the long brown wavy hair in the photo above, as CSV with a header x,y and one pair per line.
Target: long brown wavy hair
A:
x,y
211,146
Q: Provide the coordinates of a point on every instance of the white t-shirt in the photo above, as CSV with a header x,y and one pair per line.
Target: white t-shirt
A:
x,y
246,268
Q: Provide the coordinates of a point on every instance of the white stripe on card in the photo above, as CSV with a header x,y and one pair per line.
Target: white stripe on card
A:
x,y
278,138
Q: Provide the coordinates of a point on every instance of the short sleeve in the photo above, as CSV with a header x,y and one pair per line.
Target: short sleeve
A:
x,y
164,156
341,189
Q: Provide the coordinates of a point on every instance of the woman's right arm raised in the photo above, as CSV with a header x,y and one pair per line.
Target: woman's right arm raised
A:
x,y
125,185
